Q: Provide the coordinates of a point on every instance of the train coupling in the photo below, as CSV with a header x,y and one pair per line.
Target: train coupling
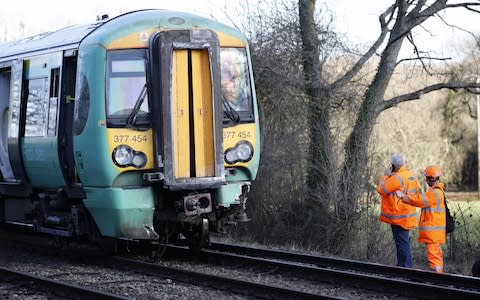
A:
x,y
196,204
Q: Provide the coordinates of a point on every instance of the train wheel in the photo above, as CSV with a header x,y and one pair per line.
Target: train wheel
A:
x,y
199,237
160,246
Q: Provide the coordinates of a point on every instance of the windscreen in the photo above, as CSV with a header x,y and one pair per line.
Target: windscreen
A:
x,y
235,81
126,80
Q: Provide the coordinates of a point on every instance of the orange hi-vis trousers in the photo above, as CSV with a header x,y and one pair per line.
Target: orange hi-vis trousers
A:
x,y
435,257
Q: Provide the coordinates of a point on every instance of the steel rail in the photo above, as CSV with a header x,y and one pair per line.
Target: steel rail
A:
x,y
390,280
68,290
446,279
211,281
240,286
348,274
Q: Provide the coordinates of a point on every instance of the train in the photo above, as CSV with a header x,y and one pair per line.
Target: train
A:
x,y
139,127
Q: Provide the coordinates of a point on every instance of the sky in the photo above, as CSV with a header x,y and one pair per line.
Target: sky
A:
x,y
357,20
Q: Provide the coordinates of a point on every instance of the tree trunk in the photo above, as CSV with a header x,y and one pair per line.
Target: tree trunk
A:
x,y
356,147
320,160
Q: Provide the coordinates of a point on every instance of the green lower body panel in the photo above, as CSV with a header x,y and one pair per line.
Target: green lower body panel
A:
x,y
229,194
42,165
122,213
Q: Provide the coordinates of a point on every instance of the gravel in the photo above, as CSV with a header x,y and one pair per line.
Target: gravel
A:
x,y
142,286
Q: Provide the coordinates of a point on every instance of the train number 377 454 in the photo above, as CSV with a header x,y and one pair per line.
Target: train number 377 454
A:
x,y
124,138
233,134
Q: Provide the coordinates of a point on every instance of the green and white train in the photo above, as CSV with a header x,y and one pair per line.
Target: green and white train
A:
x,y
139,127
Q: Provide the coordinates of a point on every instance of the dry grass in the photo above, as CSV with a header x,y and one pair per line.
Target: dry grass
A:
x,y
463,196
435,130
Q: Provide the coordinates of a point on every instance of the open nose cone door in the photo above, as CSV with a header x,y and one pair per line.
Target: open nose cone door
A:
x,y
187,108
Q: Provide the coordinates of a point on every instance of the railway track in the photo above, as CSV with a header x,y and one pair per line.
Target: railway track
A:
x,y
381,278
236,288
55,287
340,274
247,288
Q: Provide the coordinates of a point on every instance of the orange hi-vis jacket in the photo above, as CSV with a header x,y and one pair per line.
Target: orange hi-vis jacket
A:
x,y
395,209
431,227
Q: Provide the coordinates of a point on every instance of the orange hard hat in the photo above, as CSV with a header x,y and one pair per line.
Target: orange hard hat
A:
x,y
432,171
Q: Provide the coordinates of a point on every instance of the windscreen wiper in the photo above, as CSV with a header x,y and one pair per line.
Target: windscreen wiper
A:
x,y
136,108
230,112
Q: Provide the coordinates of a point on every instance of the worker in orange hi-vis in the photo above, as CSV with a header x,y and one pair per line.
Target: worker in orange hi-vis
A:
x,y
398,182
431,227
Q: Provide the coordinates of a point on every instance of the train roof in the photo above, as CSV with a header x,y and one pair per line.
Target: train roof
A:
x,y
71,37
68,37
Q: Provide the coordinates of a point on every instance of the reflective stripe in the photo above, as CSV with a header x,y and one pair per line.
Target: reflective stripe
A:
x,y
412,191
383,188
424,199
400,180
430,209
398,216
402,188
437,196
431,228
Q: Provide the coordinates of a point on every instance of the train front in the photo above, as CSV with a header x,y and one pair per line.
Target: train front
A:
x,y
176,124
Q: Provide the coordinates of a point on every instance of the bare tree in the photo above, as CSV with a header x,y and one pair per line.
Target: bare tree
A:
x,y
404,16
396,23
321,168
276,47
292,57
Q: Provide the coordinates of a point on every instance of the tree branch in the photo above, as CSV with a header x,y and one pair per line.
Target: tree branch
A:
x,y
469,86
417,16
456,27
466,5
418,6
384,30
417,54
422,58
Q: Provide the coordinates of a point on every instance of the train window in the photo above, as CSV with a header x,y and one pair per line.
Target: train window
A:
x,y
82,105
235,81
53,102
36,114
5,76
52,116
126,83
16,94
54,80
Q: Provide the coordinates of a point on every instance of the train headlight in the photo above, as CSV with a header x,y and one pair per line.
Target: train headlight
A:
x,y
139,160
241,152
122,155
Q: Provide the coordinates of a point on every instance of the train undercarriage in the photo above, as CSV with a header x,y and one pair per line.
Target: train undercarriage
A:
x,y
179,218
